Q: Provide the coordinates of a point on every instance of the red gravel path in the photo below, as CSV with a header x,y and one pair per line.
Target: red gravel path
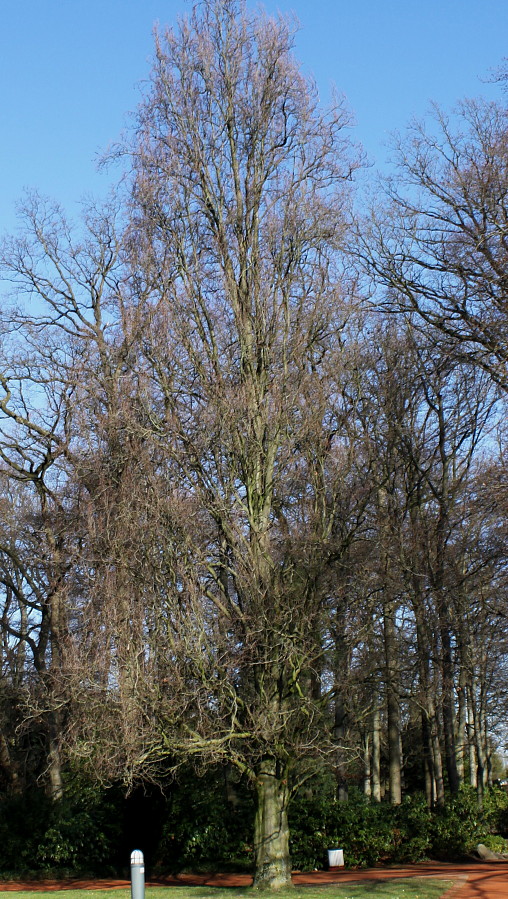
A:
x,y
476,880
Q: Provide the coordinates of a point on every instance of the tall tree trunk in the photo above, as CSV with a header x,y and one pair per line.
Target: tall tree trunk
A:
x,y
339,732
55,719
230,788
478,743
9,767
434,783
484,733
428,766
473,773
437,757
376,751
449,710
442,600
271,831
54,765
392,704
461,725
390,652
367,782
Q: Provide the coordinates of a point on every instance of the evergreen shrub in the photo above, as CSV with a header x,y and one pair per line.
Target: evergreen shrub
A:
x,y
203,830
374,833
76,835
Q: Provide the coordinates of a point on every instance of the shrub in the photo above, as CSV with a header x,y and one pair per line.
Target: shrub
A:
x,y
364,831
412,820
458,826
82,832
495,843
23,820
202,830
78,834
370,833
495,810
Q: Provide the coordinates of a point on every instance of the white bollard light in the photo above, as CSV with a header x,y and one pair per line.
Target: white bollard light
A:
x,y
137,875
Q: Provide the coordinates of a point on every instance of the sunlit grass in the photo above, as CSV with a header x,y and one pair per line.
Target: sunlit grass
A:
x,y
410,888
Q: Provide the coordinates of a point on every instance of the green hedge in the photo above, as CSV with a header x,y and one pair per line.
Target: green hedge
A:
x,y
372,833
196,826
202,830
79,834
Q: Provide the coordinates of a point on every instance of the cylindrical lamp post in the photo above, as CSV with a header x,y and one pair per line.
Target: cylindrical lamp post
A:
x,y
137,875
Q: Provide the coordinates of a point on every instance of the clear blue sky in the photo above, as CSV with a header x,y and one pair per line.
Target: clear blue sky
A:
x,y
70,71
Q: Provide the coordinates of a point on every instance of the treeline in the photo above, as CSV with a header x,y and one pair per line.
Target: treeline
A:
x,y
253,484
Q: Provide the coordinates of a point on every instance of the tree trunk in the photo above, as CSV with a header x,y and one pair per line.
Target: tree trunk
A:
x,y
376,751
339,732
484,736
437,758
8,767
473,767
473,772
434,784
449,711
391,654
367,780
478,743
392,704
461,725
271,831
55,783
428,767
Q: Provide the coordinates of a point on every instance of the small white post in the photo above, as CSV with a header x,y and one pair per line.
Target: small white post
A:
x,y
335,858
137,875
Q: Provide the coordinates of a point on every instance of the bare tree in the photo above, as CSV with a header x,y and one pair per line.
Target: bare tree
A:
x,y
439,246
240,203
62,361
427,419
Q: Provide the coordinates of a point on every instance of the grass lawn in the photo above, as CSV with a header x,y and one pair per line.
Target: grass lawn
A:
x,y
412,888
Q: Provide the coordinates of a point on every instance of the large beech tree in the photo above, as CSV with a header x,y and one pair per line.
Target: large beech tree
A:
x,y
207,464
240,203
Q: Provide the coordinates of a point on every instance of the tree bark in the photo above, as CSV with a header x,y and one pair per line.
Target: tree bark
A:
x,y
367,779
461,725
390,653
392,704
8,766
430,729
449,711
478,743
339,732
376,752
437,757
55,782
428,767
271,831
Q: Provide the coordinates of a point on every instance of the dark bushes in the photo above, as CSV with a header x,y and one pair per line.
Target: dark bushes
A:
x,y
373,833
204,824
79,834
207,825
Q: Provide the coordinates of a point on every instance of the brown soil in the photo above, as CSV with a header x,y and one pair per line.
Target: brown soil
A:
x,y
475,880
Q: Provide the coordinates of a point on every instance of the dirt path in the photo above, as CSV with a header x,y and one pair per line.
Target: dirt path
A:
x,y
477,880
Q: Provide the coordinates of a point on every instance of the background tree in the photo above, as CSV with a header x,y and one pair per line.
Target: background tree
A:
x,y
62,356
439,245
